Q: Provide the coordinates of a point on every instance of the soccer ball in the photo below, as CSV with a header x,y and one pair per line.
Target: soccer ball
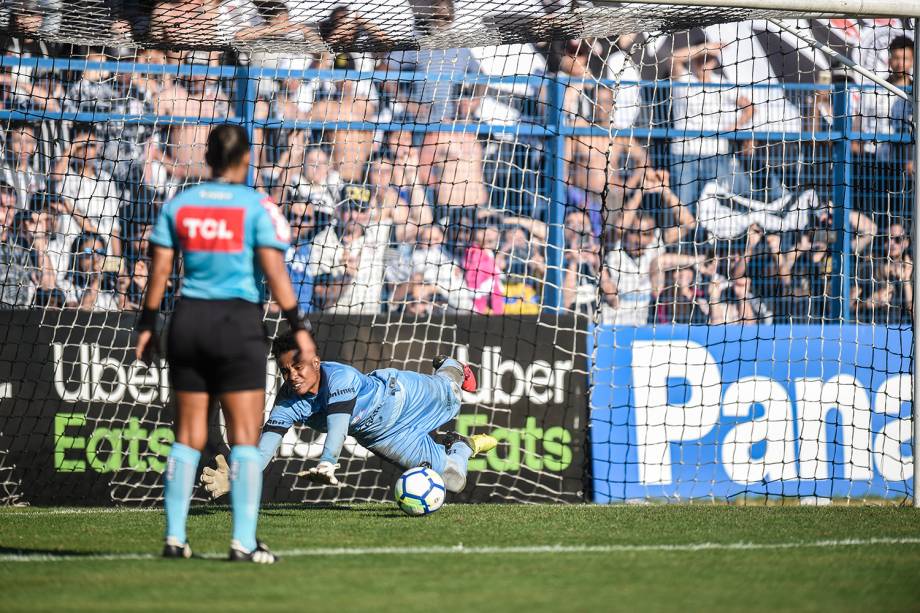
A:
x,y
420,491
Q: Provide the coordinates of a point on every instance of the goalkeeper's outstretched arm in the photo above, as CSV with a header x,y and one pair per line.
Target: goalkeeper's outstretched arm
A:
x,y
217,480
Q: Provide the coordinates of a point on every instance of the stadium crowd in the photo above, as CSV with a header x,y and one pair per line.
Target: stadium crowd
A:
x,y
419,207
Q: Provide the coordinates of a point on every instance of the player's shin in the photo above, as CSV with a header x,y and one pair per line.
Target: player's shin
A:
x,y
180,482
245,493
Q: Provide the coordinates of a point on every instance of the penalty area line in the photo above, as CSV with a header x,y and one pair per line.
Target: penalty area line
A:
x,y
476,550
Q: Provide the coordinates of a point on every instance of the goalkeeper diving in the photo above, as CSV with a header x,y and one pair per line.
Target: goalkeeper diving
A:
x,y
390,412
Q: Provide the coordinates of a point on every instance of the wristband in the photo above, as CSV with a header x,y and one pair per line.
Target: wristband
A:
x,y
147,320
295,319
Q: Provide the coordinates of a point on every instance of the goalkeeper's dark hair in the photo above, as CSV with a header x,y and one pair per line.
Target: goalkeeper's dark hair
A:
x,y
227,144
286,342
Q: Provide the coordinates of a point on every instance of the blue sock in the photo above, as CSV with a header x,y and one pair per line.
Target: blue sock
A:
x,y
181,468
245,493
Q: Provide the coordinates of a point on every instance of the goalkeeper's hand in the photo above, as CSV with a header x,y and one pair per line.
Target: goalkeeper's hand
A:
x,y
323,473
217,480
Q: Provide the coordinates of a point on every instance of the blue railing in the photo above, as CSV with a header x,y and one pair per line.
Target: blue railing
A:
x,y
552,128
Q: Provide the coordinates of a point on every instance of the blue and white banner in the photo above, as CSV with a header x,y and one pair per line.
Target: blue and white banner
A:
x,y
698,412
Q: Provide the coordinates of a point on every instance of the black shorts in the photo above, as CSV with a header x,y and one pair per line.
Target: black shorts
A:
x,y
217,346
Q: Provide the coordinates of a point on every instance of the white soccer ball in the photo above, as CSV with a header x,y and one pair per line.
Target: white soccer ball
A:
x,y
420,491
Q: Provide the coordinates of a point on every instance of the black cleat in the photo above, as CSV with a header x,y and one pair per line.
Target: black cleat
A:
x,y
260,555
448,439
174,549
438,361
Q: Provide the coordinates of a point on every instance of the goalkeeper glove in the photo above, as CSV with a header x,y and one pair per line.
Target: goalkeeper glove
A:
x,y
323,473
217,480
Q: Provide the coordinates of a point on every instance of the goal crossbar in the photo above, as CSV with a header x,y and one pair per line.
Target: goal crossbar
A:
x,y
808,8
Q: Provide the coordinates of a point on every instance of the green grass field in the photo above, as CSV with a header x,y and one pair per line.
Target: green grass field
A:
x,y
513,558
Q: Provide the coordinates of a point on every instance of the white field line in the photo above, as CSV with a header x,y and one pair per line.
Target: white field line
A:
x,y
462,550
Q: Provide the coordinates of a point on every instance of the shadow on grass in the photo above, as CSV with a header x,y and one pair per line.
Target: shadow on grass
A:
x,y
57,553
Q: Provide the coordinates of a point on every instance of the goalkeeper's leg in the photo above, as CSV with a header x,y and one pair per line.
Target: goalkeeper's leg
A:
x,y
450,459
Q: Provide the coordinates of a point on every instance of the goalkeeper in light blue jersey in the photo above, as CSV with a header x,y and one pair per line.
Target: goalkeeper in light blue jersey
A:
x,y
390,412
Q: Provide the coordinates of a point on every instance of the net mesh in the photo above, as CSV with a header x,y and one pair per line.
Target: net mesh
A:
x,y
678,259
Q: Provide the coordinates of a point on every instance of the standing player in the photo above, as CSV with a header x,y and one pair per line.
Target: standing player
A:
x,y
229,236
389,411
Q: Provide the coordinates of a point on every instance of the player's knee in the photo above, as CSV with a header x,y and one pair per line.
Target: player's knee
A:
x,y
453,371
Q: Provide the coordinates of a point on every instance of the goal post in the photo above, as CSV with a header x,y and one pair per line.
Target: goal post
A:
x,y
677,260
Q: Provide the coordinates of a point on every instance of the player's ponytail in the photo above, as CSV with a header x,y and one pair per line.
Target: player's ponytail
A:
x,y
227,144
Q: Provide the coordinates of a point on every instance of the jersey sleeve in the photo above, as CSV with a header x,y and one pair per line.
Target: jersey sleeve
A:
x,y
283,414
271,228
268,445
336,431
164,233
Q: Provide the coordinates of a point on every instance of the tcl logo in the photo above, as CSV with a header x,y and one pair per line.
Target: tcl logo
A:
x,y
211,228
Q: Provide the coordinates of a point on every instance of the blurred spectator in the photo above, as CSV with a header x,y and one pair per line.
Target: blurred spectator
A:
x,y
876,104
27,88
585,191
632,275
808,269
700,103
740,305
681,300
524,269
483,274
353,251
417,297
20,168
346,29
655,197
901,63
304,221
884,293
432,98
86,284
199,95
390,187
311,177
626,278
406,160
345,100
438,269
327,289
881,185
89,195
272,20
16,268
582,264
100,92
132,278
451,163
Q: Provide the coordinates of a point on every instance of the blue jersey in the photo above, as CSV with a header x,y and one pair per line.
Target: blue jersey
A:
x,y
342,389
217,227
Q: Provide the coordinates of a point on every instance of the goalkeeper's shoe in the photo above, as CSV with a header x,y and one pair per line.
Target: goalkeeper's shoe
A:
x,y
469,379
175,549
260,555
479,443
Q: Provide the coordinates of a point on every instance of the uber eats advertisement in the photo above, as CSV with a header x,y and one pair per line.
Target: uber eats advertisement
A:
x,y
82,422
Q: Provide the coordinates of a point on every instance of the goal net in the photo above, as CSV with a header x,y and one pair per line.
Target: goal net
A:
x,y
678,258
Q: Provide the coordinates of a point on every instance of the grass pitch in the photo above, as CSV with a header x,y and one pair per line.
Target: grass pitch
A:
x,y
513,558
